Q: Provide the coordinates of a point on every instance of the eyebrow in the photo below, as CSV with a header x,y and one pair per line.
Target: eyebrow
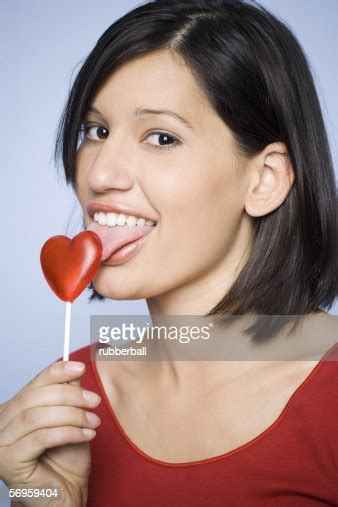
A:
x,y
144,111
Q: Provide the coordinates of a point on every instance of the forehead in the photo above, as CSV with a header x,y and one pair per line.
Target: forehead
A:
x,y
159,79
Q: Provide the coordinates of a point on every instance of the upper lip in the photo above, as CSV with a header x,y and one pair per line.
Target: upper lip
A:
x,y
116,207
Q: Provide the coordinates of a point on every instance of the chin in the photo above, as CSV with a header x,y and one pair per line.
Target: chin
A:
x,y
118,291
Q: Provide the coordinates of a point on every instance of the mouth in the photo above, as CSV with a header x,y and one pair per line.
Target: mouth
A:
x,y
121,235
112,219
117,214
126,252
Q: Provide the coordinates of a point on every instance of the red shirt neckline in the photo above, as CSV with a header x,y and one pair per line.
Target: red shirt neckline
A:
x,y
227,454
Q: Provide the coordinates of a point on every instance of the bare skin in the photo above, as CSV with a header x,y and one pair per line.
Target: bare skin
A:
x,y
158,404
41,439
203,195
219,193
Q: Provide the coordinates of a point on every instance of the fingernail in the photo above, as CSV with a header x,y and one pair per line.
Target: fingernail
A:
x,y
91,398
74,366
88,432
93,419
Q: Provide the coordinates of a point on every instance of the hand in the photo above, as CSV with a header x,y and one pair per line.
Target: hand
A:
x,y
44,434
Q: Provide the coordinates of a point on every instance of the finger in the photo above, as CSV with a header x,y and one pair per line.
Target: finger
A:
x,y
37,418
33,445
57,373
58,394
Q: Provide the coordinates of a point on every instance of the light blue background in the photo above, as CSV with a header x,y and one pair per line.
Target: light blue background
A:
x,y
41,44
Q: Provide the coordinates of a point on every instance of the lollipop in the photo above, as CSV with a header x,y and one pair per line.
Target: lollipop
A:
x,y
69,265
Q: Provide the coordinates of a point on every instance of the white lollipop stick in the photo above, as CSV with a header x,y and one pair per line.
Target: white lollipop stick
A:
x,y
67,332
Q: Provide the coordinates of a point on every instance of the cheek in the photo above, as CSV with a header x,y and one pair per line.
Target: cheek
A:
x,y
81,175
80,171
199,199
200,214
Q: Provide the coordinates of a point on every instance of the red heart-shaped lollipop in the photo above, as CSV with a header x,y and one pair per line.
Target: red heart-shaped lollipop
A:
x,y
70,264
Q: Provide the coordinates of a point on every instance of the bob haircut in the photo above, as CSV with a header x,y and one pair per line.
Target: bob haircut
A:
x,y
257,78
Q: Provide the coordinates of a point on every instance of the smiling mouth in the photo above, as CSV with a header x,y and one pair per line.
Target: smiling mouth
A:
x,y
112,219
115,213
116,237
125,252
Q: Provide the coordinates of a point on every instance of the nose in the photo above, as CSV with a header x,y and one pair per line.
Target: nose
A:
x,y
111,168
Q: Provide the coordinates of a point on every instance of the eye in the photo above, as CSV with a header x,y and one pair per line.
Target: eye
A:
x,y
98,133
165,137
94,132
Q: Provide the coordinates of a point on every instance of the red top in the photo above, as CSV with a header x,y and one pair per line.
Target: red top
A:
x,y
294,462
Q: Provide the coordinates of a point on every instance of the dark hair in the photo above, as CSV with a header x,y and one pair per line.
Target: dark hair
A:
x,y
257,77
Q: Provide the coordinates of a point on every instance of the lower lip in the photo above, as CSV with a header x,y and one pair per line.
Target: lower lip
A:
x,y
126,252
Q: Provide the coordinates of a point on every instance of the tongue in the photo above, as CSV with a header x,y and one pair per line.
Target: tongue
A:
x,y
113,238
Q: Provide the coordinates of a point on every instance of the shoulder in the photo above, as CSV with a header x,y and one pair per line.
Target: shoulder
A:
x,y
316,336
322,395
326,374
327,397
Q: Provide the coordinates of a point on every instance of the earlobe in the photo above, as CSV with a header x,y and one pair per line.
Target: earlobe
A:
x,y
271,178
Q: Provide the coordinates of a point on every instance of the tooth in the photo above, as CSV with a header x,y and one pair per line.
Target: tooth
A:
x,y
111,219
102,218
131,221
141,222
121,219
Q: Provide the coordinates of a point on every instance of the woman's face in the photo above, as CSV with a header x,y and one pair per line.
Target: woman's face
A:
x,y
193,187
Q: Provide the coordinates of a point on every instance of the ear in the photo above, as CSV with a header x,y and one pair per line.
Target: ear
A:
x,y
270,176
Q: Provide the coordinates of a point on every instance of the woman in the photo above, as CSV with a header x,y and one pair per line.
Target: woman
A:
x,y
202,118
